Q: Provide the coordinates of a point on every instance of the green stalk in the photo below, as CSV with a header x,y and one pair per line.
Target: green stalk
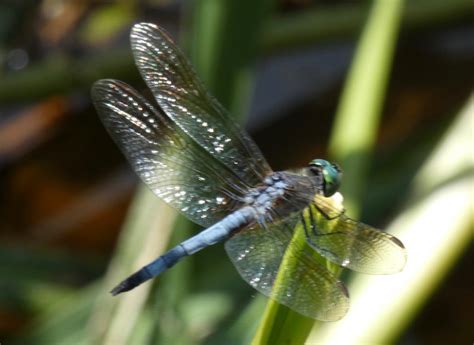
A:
x,y
224,47
144,236
304,28
436,227
280,324
350,144
360,107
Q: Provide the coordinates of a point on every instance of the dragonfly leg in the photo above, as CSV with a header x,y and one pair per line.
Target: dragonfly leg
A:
x,y
327,216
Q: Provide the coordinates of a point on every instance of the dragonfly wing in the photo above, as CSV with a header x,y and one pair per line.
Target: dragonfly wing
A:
x,y
183,97
352,244
173,166
307,287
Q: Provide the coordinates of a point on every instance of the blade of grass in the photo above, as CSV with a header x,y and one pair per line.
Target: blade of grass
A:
x,y
358,115
350,144
280,324
144,236
435,226
303,28
225,42
65,318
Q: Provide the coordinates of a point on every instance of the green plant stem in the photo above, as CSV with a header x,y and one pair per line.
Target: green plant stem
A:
x,y
281,325
360,107
224,48
361,102
436,227
113,318
341,22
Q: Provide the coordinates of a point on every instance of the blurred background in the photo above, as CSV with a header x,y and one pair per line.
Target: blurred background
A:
x,y
67,235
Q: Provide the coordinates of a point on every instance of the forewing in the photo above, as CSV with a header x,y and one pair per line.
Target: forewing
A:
x,y
173,166
352,244
183,97
305,286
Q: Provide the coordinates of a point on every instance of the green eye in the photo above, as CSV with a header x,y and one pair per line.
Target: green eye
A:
x,y
331,175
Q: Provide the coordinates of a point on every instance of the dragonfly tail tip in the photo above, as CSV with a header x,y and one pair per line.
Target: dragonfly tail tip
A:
x,y
119,289
131,282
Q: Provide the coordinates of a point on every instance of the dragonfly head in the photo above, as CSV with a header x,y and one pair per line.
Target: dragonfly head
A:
x,y
331,175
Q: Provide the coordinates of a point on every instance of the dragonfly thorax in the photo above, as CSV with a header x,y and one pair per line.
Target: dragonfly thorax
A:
x,y
270,200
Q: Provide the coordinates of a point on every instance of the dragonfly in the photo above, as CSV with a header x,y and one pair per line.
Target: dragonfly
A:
x,y
187,149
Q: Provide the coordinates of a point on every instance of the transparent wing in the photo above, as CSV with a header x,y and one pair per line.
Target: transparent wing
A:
x,y
350,243
308,287
173,166
185,100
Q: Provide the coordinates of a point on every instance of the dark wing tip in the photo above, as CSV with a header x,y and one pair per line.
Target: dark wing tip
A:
x,y
344,289
397,242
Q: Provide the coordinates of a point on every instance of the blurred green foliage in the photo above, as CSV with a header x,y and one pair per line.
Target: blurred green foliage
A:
x,y
61,296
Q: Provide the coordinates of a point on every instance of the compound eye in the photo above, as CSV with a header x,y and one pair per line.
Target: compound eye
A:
x,y
332,179
336,167
331,175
